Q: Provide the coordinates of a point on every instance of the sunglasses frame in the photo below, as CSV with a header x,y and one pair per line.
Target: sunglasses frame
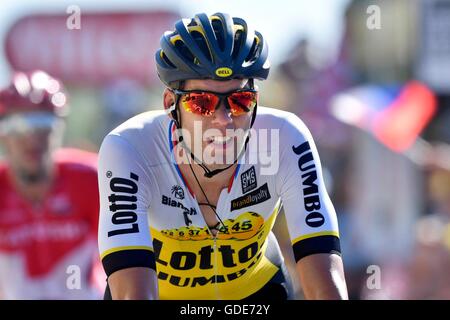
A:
x,y
222,96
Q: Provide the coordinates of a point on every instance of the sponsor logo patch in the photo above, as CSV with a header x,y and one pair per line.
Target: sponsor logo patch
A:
x,y
257,196
168,201
224,72
178,192
311,198
248,180
122,204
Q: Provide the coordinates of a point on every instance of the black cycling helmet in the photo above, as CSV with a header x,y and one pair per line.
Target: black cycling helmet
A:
x,y
218,47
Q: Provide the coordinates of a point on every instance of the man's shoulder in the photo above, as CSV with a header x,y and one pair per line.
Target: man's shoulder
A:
x,y
76,161
272,118
145,135
143,128
3,168
150,120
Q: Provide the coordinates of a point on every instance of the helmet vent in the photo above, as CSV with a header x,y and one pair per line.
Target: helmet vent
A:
x,y
166,60
254,52
201,42
219,32
184,51
238,38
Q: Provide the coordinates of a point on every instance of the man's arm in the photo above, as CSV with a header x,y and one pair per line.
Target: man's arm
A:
x,y
125,243
322,277
134,284
310,214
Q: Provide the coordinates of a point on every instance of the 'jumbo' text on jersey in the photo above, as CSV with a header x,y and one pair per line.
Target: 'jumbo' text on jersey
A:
x,y
150,218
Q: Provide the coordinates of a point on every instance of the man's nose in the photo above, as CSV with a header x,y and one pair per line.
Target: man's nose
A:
x,y
222,115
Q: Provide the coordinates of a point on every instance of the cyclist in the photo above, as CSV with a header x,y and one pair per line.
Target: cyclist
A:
x,y
187,200
49,200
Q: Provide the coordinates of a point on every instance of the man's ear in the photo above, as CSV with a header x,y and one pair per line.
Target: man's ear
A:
x,y
168,99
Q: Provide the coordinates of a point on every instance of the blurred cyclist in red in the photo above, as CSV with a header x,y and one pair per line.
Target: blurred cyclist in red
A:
x,y
48,199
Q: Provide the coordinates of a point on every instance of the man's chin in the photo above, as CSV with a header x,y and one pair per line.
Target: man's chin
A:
x,y
221,157
33,172
33,176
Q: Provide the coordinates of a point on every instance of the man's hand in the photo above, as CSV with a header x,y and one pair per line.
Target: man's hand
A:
x,y
134,284
322,277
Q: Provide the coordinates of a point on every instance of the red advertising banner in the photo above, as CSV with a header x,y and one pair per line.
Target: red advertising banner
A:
x,y
105,47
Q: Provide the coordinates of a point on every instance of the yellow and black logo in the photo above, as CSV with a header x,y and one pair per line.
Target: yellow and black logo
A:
x,y
224,72
245,226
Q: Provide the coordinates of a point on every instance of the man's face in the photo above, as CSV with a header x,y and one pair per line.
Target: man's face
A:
x,y
222,135
29,148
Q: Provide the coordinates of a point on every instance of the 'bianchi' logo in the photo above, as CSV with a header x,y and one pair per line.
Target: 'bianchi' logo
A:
x,y
178,193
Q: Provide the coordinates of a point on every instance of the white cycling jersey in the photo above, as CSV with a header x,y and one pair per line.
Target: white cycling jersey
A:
x,y
149,217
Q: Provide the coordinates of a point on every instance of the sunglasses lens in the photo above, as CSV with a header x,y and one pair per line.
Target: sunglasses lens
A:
x,y
25,123
242,102
200,103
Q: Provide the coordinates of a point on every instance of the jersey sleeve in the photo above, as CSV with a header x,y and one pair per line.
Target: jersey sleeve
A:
x,y
310,215
124,236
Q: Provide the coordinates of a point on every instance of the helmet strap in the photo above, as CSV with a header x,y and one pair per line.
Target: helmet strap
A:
x,y
251,81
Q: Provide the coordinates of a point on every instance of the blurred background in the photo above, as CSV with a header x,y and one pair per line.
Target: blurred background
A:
x,y
371,79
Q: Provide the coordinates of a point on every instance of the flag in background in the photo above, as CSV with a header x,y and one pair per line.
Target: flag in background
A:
x,y
395,115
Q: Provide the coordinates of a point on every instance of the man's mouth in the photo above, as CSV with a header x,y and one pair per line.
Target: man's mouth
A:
x,y
35,153
219,140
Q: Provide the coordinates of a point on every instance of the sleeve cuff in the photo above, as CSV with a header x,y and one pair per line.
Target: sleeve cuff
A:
x,y
124,259
320,244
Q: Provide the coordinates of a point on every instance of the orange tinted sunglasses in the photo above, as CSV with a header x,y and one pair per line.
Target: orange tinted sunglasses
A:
x,y
205,103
